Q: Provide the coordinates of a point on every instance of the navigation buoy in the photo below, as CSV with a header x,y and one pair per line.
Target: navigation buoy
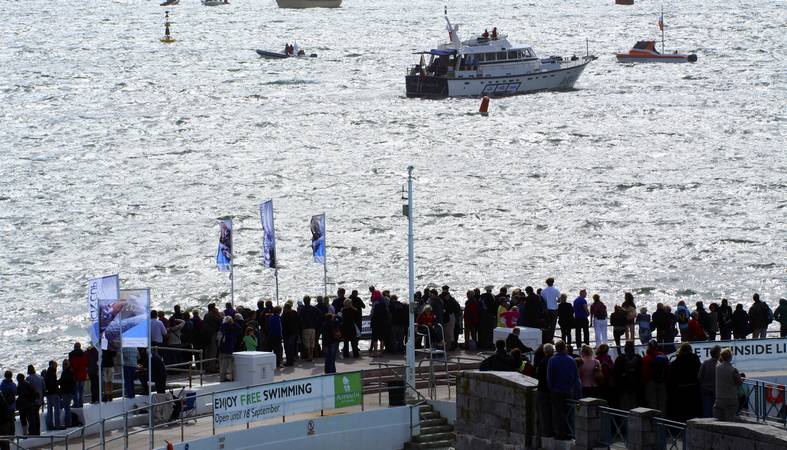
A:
x,y
167,36
484,110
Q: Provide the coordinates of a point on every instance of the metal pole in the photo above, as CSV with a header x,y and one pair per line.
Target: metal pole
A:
x,y
150,380
100,386
325,256
276,279
410,284
232,264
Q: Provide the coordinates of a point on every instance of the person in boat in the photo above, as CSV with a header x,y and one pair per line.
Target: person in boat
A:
x,y
494,33
485,35
287,49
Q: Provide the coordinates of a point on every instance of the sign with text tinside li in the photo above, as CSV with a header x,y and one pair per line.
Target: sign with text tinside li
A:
x,y
288,397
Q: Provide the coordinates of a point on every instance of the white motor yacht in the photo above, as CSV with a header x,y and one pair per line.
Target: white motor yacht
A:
x,y
489,65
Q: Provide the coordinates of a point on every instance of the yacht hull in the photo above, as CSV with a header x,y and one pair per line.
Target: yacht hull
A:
x,y
441,87
309,3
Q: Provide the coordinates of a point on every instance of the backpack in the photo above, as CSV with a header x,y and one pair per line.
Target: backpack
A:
x,y
658,368
683,318
601,313
631,367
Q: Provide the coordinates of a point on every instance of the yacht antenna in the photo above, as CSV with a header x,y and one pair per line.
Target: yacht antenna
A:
x,y
445,10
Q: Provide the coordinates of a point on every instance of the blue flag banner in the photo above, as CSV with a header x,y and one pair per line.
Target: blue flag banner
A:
x,y
100,290
318,238
268,235
224,253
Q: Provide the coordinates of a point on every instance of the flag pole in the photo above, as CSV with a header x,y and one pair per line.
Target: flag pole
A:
x,y
410,372
232,265
122,363
276,279
150,379
100,382
325,255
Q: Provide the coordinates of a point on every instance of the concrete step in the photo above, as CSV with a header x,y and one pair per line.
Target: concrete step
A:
x,y
437,429
426,415
425,408
440,421
435,437
430,445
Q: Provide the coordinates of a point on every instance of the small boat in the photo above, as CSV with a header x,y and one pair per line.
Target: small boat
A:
x,y
281,55
309,3
624,2
214,2
170,3
489,65
645,51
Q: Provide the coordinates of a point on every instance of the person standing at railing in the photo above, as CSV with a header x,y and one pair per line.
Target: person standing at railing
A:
x,y
130,359
725,320
780,315
655,369
210,330
563,381
275,335
581,315
760,317
25,403
92,373
331,335
631,315
488,318
7,423
8,390
52,397
37,384
707,380
291,328
728,380
598,315
350,329
628,377
550,294
684,401
230,332
740,323
78,360
67,388
565,313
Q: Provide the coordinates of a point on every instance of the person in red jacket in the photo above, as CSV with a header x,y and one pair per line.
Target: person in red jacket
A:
x,y
78,360
696,332
472,318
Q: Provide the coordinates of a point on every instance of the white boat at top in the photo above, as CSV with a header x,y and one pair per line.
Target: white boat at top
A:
x,y
489,65
309,3
215,2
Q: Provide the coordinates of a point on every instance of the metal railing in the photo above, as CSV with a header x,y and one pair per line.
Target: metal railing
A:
x,y
670,435
763,401
614,427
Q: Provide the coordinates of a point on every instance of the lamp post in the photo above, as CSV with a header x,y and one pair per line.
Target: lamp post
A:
x,y
408,209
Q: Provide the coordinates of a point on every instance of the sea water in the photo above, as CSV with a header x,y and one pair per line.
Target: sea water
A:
x,y
118,154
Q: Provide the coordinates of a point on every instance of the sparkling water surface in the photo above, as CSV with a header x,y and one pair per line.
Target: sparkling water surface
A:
x,y
118,153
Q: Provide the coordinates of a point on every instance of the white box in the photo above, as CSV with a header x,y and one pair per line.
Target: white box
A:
x,y
252,368
529,336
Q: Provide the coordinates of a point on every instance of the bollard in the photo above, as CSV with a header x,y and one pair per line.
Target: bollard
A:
x,y
484,110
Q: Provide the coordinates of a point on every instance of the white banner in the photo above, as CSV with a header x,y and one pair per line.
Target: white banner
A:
x,y
749,355
268,235
289,397
98,290
224,253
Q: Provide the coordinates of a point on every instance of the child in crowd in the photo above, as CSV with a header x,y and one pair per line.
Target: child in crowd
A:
x,y
643,320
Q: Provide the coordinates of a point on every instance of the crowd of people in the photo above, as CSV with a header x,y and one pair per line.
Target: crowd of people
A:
x,y
683,388
314,328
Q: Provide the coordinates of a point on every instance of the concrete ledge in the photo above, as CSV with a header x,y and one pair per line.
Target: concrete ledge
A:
x,y
717,435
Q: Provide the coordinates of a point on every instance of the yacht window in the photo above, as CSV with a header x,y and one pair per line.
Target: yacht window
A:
x,y
501,55
512,55
490,57
480,57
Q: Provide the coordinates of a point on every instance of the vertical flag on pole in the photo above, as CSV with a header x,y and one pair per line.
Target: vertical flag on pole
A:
x,y
224,253
661,21
268,235
318,238
101,293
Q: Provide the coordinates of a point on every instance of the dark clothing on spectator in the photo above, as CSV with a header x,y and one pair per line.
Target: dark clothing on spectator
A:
x,y
684,401
513,341
500,362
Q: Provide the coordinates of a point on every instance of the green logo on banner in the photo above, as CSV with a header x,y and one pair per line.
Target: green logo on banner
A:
x,y
347,389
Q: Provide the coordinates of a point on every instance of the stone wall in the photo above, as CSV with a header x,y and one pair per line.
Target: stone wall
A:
x,y
495,411
710,434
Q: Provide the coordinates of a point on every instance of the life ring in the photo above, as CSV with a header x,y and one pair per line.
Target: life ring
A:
x,y
778,397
